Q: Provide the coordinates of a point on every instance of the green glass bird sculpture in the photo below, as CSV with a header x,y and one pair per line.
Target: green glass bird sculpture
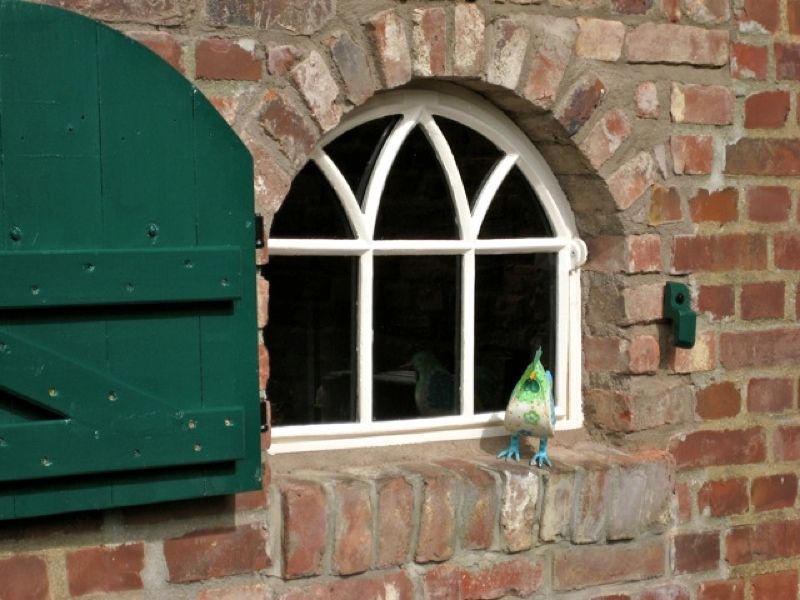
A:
x,y
434,392
531,412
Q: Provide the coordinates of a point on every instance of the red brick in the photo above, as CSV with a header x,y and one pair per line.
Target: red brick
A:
x,y
24,577
579,104
549,60
469,40
769,395
695,552
646,100
583,566
721,590
263,366
284,123
787,443
168,12
768,204
216,553
656,406
718,207
628,183
774,491
718,300
352,541
218,58
765,157
604,354
767,541
249,591
762,300
394,586
644,254
163,44
613,597
316,85
773,348
793,16
305,525
702,357
723,498
766,110
703,104
606,137
606,254
388,33
599,39
437,525
631,7
353,65
683,502
787,250
708,12
718,401
509,42
677,44
430,36
479,506
645,354
665,205
671,9
671,591
749,62
765,14
775,586
281,59
395,514
727,252
644,303
729,447
105,569
518,577
692,154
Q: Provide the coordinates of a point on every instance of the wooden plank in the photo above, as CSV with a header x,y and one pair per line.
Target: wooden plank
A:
x,y
65,447
50,278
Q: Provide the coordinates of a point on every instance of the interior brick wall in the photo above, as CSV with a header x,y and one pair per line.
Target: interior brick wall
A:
x,y
672,126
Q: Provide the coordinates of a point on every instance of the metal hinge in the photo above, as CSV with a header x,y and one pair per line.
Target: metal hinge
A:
x,y
259,231
266,415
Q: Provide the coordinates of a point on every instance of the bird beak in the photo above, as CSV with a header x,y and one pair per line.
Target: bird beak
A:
x,y
532,376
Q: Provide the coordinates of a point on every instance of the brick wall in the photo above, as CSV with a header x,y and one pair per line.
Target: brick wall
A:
x,y
672,127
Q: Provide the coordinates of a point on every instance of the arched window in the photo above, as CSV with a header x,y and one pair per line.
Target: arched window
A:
x,y
421,257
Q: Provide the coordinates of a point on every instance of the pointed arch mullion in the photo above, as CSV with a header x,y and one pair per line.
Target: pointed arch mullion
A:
x,y
489,190
346,197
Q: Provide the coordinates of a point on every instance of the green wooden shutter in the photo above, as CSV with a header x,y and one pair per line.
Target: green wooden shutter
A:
x,y
128,365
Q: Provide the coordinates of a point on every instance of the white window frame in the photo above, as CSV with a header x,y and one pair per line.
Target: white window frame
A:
x,y
418,107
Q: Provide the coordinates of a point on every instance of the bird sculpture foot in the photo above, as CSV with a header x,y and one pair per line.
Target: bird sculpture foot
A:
x,y
540,459
512,451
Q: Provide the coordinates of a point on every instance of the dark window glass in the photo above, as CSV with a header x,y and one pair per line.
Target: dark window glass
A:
x,y
514,315
474,154
415,336
516,211
310,335
416,202
356,151
311,209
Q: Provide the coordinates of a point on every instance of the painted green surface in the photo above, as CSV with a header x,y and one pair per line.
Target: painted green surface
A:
x,y
128,364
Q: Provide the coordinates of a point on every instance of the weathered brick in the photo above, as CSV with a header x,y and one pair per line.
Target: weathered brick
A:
x,y
773,348
772,586
606,136
766,110
683,502
319,90
786,61
671,9
579,103
105,569
708,12
391,586
591,498
640,495
728,447
786,442
721,590
762,300
766,541
395,521
24,577
670,591
629,183
231,12
723,498
430,40
703,104
646,100
216,553
695,552
768,204
557,507
163,44
283,122
519,493
478,506
604,354
468,40
305,16
773,492
677,44
718,401
553,40
717,300
727,252
585,566
631,7
645,354
766,395
509,40
219,58
599,39
606,254
787,250
517,577
394,57
644,303
702,357
793,16
760,16
352,531
644,253
166,12
665,205
248,591
437,525
270,181
749,62
692,154
305,523
351,60
768,157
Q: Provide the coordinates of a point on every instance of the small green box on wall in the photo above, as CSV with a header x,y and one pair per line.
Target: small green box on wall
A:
x,y
128,365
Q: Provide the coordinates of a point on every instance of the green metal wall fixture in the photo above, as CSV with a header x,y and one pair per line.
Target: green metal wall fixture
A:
x,y
678,309
128,358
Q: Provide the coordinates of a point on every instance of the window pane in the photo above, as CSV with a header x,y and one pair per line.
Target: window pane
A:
x,y
515,211
514,315
416,202
311,209
415,336
310,335
474,154
356,151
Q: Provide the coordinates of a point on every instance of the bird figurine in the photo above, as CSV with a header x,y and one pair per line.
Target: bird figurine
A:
x,y
531,412
434,392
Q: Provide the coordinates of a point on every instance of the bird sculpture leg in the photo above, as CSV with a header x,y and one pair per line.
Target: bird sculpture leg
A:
x,y
540,458
513,449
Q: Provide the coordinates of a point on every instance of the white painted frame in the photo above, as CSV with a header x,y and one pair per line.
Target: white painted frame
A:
x,y
418,107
